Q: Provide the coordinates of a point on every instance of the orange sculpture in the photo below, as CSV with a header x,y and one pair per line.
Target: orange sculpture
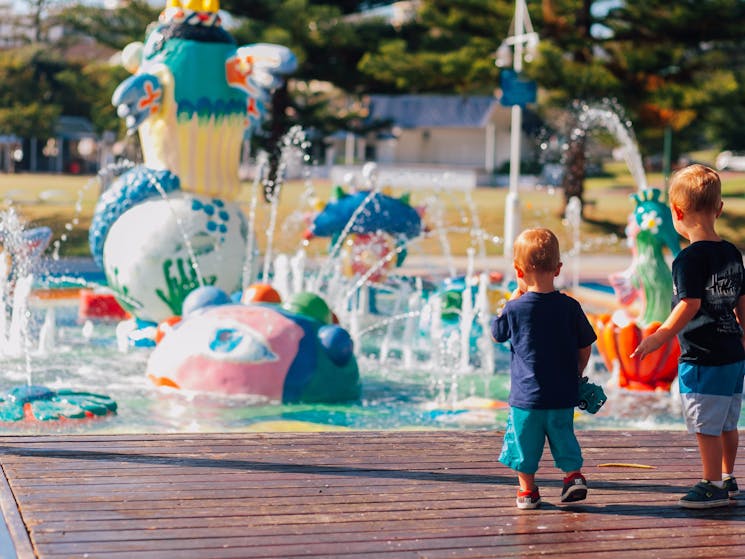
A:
x,y
655,372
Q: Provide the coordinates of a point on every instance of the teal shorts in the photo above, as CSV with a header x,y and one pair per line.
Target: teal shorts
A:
x,y
526,434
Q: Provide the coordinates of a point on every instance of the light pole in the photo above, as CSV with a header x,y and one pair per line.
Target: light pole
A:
x,y
523,40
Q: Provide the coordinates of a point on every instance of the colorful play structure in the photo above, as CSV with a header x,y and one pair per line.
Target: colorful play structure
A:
x,y
171,224
170,232
282,351
648,280
172,240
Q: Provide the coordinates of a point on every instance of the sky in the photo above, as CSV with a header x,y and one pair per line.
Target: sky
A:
x,y
20,5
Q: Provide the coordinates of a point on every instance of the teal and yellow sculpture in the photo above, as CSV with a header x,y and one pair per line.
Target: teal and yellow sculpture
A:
x,y
172,224
172,239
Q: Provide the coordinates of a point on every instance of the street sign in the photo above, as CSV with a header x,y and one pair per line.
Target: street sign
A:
x,y
515,90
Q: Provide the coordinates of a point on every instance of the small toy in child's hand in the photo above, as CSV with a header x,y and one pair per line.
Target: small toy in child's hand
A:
x,y
591,396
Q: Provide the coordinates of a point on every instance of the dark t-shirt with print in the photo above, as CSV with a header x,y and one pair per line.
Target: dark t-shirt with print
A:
x,y
713,272
545,331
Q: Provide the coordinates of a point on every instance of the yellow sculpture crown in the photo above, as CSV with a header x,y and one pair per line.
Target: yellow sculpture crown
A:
x,y
196,5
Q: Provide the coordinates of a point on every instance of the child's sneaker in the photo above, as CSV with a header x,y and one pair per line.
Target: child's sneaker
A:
x,y
730,484
575,488
705,495
528,499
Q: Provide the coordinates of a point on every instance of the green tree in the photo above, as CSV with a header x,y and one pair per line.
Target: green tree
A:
x,y
31,91
448,48
35,18
668,64
113,28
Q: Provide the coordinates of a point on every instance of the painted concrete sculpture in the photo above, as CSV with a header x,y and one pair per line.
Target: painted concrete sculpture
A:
x,y
649,276
289,352
377,226
170,225
32,403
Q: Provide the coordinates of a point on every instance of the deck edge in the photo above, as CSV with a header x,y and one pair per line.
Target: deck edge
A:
x,y
12,529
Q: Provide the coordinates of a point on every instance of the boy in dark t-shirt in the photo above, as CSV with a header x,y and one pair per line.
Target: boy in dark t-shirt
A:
x,y
708,311
550,340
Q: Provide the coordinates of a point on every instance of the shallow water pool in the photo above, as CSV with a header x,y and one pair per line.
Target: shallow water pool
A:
x,y
86,358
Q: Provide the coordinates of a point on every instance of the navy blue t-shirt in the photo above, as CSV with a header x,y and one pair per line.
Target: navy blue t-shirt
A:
x,y
546,331
713,272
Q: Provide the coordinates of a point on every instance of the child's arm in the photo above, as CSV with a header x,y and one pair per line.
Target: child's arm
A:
x,y
500,328
584,358
499,324
679,317
740,314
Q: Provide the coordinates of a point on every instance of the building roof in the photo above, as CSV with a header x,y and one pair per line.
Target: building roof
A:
x,y
435,111
74,127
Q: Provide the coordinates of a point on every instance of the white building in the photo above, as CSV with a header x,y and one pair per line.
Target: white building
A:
x,y
459,132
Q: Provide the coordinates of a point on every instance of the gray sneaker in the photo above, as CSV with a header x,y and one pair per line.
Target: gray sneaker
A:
x,y
730,484
705,495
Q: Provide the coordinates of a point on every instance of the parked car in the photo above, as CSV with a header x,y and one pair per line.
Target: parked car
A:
x,y
731,161
654,163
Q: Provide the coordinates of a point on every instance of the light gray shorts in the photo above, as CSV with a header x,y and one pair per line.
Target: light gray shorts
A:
x,y
710,415
711,396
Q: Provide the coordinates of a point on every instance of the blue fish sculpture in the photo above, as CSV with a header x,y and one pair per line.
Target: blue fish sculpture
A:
x,y
369,218
381,212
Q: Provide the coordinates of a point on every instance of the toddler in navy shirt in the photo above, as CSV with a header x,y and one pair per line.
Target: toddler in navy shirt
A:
x,y
551,341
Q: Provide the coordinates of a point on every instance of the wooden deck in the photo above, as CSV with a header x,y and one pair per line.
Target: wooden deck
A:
x,y
352,494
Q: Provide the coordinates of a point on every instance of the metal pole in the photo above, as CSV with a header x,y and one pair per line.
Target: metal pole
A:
x,y
512,201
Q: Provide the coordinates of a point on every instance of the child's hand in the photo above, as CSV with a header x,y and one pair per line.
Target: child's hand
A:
x,y
648,345
516,293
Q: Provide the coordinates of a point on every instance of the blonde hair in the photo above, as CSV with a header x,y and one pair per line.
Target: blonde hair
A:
x,y
537,250
696,188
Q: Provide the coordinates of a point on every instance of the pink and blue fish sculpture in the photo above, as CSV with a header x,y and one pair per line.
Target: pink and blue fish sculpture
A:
x,y
287,352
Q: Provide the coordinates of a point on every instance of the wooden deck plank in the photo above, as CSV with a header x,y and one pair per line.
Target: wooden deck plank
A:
x,y
401,530
557,544
368,494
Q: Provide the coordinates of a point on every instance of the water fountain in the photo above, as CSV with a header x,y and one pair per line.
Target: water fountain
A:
x,y
33,403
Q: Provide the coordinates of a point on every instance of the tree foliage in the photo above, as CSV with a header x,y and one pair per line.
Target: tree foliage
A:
x,y
449,48
676,65
667,63
32,90
670,65
113,28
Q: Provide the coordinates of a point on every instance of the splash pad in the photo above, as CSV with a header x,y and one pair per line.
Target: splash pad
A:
x,y
402,386
416,368
393,349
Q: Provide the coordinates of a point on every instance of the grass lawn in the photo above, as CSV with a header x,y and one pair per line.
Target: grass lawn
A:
x,y
65,203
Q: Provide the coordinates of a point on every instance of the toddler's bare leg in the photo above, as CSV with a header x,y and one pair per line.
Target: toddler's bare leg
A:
x,y
730,440
527,481
710,448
